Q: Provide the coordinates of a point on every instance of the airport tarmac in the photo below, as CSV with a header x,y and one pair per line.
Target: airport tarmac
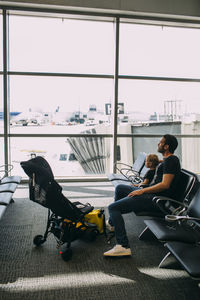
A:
x,y
56,150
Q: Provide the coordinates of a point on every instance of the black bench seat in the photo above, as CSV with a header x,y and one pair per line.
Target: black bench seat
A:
x,y
188,256
8,186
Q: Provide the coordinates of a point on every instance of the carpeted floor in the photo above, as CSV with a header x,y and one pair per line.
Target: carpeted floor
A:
x,y
40,273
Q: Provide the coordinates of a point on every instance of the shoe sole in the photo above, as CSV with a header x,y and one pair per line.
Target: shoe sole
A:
x,y
117,255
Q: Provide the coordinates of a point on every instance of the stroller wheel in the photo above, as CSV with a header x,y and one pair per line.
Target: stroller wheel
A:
x,y
66,254
38,240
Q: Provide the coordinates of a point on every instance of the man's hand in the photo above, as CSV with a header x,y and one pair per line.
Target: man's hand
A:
x,y
157,188
136,193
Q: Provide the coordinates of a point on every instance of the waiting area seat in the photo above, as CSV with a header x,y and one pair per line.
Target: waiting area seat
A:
x,y
181,233
5,178
130,174
188,256
187,185
8,185
2,210
10,179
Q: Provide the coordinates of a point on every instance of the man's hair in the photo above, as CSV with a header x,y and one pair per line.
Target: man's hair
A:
x,y
171,141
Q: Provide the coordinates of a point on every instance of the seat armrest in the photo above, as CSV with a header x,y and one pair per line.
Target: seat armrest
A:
x,y
5,169
122,164
126,171
174,218
158,199
160,202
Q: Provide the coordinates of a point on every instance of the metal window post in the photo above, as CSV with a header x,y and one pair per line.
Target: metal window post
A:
x,y
116,77
5,87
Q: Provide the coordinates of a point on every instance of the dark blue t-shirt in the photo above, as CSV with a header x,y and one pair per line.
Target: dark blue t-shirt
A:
x,y
149,175
169,165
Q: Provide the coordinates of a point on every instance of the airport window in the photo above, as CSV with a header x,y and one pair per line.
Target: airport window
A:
x,y
44,44
160,101
63,155
187,151
1,74
147,50
55,104
55,150
78,58
1,104
1,42
2,152
62,87
159,86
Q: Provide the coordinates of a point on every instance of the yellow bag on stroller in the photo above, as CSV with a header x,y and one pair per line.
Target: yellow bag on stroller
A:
x,y
96,216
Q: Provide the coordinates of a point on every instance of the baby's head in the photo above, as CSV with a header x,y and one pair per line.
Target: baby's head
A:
x,y
151,161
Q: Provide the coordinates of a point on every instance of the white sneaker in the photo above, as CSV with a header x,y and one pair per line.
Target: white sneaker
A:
x,y
118,250
109,227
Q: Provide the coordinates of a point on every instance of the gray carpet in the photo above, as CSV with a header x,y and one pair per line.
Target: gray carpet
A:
x,y
40,273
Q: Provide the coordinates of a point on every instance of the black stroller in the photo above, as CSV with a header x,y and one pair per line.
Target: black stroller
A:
x,y
66,220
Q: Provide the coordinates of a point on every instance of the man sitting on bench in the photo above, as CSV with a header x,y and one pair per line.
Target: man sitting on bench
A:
x,y
133,199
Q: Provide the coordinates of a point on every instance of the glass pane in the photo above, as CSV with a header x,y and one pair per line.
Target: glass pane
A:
x,y
131,147
150,145
1,41
160,101
1,104
187,151
190,154
60,45
125,151
65,159
159,51
2,153
53,105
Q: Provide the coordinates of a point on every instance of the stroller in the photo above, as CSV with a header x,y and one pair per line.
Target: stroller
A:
x,y
67,220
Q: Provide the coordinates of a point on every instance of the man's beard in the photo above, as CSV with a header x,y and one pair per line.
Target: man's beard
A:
x,y
161,150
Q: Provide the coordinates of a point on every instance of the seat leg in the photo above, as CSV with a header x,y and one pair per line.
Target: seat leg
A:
x,y
170,262
147,234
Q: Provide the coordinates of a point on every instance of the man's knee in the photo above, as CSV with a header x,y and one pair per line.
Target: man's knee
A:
x,y
113,207
110,207
119,187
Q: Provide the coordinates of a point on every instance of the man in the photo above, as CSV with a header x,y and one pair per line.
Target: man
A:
x,y
130,199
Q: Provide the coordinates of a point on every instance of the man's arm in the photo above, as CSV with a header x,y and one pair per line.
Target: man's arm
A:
x,y
157,188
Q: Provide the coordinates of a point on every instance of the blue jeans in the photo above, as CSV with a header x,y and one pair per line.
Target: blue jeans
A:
x,y
123,205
